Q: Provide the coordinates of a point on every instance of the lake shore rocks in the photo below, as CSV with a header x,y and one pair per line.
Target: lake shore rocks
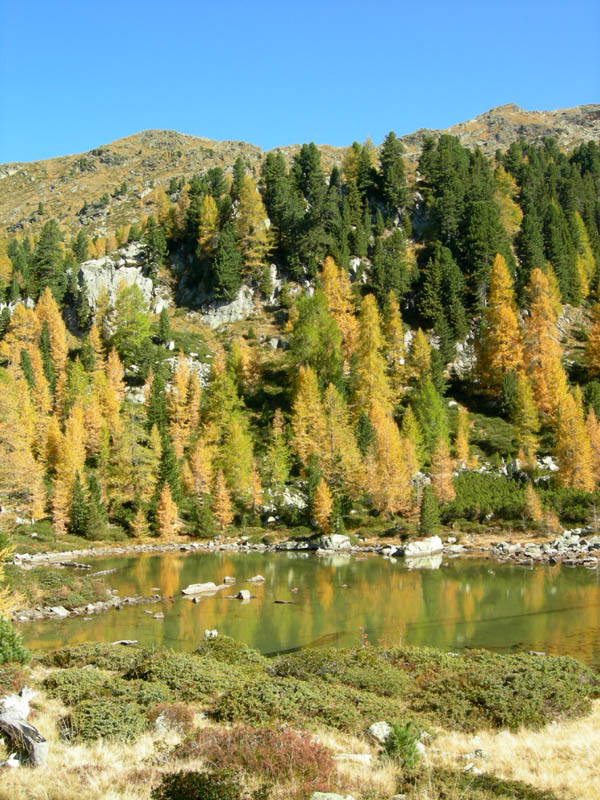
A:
x,y
60,612
572,548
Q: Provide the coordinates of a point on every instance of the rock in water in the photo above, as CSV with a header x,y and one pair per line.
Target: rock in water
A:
x,y
198,588
426,547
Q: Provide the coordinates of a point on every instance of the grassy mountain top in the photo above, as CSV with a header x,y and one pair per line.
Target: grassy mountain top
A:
x,y
64,184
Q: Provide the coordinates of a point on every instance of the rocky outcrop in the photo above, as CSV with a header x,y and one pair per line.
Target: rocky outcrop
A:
x,y
122,268
424,547
217,314
30,747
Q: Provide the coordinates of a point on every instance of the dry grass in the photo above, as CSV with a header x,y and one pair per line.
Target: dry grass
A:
x,y
563,757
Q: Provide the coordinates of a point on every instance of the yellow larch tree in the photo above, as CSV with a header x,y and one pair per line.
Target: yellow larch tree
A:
x,y
419,358
322,506
411,430
237,457
54,444
338,293
370,379
20,473
526,419
200,462
208,227
442,472
22,334
585,264
167,515
461,442
250,222
388,473
532,508
47,311
308,421
178,406
542,348
500,346
395,350
93,424
222,502
572,448
592,348
593,431
340,460
96,345
139,526
255,490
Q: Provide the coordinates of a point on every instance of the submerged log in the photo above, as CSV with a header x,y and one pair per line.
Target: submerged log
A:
x,y
25,739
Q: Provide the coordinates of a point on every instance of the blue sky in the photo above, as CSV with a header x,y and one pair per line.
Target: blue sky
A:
x,y
74,75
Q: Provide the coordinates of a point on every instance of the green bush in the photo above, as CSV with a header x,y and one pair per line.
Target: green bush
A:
x,y
105,719
222,785
445,783
106,656
480,495
228,651
74,685
481,688
190,677
364,668
11,646
573,506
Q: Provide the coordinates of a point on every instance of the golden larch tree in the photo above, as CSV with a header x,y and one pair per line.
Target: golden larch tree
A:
x,y
308,421
388,473
526,419
167,515
395,350
340,460
593,431
222,508
572,448
500,346
322,505
419,358
592,349
442,472
47,311
461,442
370,379
338,293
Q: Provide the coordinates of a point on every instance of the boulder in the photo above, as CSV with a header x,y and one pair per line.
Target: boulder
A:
x,y
380,731
58,611
330,796
108,273
335,541
30,746
198,588
256,579
425,547
243,594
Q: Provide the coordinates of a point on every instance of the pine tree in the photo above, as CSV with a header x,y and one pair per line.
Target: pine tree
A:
x,y
429,514
431,414
227,264
592,349
222,503
392,179
79,508
411,430
322,506
48,261
164,327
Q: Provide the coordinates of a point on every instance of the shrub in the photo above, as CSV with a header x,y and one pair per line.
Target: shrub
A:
x,y
481,688
219,785
189,677
401,745
106,719
228,651
12,679
364,668
480,495
278,754
446,783
174,715
76,684
105,656
11,646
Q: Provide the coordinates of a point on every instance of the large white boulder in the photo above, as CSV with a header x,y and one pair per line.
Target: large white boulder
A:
x,y
424,547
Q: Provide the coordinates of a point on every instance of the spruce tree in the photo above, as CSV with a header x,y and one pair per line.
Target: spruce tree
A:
x,y
79,509
429,515
164,327
227,265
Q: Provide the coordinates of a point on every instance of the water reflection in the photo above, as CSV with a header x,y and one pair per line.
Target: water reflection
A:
x,y
464,603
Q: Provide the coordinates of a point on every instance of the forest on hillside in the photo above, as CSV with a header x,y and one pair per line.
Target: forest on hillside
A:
x,y
384,278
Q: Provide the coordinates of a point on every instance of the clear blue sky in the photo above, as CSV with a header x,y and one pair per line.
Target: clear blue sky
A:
x,y
74,75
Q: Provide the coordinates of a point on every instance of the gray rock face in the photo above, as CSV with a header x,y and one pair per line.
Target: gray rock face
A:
x,y
217,314
335,541
108,273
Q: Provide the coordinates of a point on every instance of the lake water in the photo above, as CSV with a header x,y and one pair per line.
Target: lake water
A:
x,y
464,603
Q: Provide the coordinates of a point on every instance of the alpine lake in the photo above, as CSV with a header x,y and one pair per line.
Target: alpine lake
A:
x,y
343,600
